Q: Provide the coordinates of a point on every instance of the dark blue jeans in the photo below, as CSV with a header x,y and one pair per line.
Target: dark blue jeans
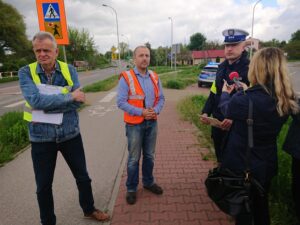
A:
x,y
44,161
141,139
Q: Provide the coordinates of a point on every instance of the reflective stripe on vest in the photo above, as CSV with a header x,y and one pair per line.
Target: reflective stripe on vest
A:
x,y
213,88
136,94
27,115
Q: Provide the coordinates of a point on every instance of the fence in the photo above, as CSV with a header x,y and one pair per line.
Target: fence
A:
x,y
8,74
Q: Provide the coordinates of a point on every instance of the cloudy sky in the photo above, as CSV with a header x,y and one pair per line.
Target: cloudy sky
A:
x,y
142,21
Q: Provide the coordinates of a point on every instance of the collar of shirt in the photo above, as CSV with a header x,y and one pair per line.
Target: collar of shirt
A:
x,y
137,72
41,70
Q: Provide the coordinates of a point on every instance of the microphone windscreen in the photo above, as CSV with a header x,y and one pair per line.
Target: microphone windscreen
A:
x,y
233,75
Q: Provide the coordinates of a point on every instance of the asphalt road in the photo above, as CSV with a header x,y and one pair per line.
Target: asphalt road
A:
x,y
294,70
11,98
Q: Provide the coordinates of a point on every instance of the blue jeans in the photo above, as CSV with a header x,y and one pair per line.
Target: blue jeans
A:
x,y
141,138
44,161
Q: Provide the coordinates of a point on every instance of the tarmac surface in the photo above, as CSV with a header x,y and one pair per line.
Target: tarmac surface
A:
x,y
179,169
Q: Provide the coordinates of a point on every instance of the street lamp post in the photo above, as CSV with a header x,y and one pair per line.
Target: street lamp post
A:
x,y
127,43
251,49
117,30
170,18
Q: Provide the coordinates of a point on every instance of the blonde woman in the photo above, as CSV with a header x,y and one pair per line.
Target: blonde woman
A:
x,y
273,100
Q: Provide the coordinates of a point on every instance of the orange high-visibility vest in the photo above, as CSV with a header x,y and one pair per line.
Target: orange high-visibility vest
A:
x,y
136,94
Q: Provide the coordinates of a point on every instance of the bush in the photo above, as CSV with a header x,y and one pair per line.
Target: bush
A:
x,y
181,78
13,135
174,84
8,79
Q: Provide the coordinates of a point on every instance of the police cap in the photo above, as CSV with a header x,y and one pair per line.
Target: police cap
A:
x,y
233,36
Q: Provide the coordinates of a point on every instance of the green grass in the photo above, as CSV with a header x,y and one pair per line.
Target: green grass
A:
x,y
281,204
13,135
190,109
103,85
8,79
161,69
181,78
280,198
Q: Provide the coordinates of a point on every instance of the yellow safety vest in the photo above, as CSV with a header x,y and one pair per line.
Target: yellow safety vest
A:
x,y
27,115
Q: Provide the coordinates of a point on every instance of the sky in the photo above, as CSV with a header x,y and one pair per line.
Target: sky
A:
x,y
141,21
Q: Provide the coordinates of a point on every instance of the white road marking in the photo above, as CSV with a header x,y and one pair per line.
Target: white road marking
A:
x,y
109,97
15,104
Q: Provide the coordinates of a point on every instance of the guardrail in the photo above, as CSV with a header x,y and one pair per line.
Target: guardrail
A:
x,y
8,74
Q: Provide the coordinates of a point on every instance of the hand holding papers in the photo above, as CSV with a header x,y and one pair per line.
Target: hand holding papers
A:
x,y
211,121
42,117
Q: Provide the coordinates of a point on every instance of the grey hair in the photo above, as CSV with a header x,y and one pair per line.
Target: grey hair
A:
x,y
42,35
140,46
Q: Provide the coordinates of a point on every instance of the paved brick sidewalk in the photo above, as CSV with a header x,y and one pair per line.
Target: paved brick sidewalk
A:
x,y
180,170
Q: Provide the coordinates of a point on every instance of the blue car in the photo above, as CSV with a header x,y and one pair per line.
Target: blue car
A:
x,y
208,74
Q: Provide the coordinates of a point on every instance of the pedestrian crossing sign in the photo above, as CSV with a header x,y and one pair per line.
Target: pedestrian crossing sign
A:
x,y
51,16
51,11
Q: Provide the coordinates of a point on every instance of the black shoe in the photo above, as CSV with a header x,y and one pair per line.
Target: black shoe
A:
x,y
154,188
131,198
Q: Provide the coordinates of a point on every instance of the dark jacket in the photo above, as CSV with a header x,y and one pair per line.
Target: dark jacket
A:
x,y
292,141
266,127
224,69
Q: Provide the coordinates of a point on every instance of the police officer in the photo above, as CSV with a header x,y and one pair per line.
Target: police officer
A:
x,y
235,61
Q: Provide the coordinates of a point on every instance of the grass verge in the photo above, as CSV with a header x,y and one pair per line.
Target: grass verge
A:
x,y
8,79
13,135
181,78
103,85
280,198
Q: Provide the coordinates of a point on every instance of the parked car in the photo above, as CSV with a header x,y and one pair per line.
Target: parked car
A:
x,y
208,74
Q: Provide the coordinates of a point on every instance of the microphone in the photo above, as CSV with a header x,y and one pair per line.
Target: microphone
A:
x,y
235,77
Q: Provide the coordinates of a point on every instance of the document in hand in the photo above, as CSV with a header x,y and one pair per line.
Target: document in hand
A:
x,y
42,117
212,121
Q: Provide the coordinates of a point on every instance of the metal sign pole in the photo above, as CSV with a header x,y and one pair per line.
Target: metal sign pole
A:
x,y
65,56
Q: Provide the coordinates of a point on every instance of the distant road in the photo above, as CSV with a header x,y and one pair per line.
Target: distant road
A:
x,y
11,98
294,69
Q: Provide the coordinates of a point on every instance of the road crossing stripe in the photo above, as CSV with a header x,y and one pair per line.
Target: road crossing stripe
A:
x,y
15,104
109,97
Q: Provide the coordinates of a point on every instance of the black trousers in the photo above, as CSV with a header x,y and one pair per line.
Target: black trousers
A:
x,y
44,161
219,138
296,185
260,210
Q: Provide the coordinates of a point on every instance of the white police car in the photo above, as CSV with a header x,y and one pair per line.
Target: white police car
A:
x,y
208,74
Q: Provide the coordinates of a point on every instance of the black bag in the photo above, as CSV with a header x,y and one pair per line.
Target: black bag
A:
x,y
231,191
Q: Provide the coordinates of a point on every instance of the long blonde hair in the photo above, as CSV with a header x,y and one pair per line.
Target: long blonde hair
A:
x,y
268,68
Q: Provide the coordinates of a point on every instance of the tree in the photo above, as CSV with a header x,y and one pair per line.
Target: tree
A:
x,y
197,42
152,54
273,43
81,47
185,55
209,45
15,48
161,55
296,36
293,47
124,50
293,50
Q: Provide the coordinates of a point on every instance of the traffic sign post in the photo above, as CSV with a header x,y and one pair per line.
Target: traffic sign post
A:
x,y
52,18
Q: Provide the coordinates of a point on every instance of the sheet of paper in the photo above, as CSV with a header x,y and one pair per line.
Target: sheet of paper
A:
x,y
213,121
42,117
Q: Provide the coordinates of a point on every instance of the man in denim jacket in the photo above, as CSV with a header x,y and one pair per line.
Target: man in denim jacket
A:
x,y
47,138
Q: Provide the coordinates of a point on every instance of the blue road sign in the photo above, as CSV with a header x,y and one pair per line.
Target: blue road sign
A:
x,y
51,12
